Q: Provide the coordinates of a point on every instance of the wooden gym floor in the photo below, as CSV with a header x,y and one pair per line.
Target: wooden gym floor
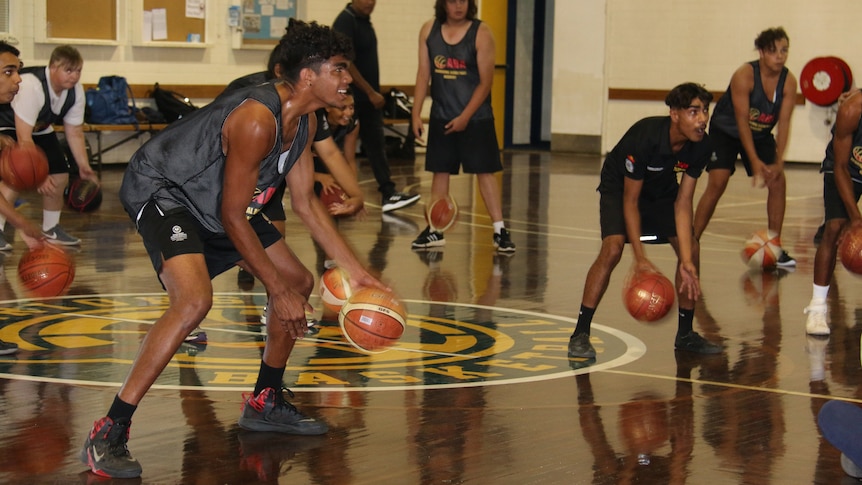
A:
x,y
479,389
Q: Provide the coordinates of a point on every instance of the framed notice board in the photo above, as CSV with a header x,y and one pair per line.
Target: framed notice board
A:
x,y
264,21
77,20
180,23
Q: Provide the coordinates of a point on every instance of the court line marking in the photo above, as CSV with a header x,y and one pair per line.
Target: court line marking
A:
x,y
731,385
635,349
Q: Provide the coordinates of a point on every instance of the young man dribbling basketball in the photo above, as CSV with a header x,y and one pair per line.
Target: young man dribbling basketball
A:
x,y
456,55
50,95
640,195
842,187
9,81
761,94
201,217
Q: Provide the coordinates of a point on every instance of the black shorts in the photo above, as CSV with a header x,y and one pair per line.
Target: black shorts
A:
x,y
726,149
274,209
657,217
176,232
50,144
832,204
475,148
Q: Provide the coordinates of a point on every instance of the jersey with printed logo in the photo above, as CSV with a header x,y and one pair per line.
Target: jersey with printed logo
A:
x,y
855,165
184,165
762,112
644,153
454,74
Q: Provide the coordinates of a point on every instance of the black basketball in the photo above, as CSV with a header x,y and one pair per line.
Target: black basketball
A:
x,y
83,195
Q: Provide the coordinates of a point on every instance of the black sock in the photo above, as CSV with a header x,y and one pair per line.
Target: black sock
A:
x,y
268,377
585,319
686,318
121,409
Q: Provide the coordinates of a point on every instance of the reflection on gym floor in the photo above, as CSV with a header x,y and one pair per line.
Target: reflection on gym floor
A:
x,y
479,389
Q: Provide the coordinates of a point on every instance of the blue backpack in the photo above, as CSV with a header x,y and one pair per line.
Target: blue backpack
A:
x,y
109,103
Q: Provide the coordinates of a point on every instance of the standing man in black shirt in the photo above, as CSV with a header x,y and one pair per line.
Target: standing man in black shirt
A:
x,y
640,195
355,22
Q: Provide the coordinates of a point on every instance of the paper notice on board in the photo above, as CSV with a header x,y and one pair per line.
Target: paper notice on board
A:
x,y
160,24
147,27
195,9
277,27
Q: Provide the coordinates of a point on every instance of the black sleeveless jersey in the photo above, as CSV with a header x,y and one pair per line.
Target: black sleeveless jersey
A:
x,y
762,112
46,117
454,75
855,165
183,166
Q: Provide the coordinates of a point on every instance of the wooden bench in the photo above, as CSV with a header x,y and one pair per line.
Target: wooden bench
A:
x,y
133,132
143,92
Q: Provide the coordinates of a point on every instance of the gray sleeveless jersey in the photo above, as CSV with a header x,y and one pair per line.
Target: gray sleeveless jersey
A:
x,y
183,166
762,113
454,75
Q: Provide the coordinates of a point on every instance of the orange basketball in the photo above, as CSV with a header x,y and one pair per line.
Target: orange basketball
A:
x,y
442,213
334,289
850,250
762,250
23,167
83,195
644,424
648,296
372,320
46,272
336,196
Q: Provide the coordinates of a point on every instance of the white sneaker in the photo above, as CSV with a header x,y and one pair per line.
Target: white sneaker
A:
x,y
817,323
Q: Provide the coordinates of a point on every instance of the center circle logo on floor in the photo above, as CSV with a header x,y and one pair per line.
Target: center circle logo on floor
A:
x,y
92,340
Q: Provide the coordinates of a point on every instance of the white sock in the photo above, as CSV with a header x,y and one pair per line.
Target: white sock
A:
x,y
820,293
498,227
50,219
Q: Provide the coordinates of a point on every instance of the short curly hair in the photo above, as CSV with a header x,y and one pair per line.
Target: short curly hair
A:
x,y
308,45
766,40
681,96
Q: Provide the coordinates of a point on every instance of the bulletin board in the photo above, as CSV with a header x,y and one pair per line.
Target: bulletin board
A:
x,y
264,21
178,23
81,19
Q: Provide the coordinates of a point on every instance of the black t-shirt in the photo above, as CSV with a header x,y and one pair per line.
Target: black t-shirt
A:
x,y
361,32
324,131
644,153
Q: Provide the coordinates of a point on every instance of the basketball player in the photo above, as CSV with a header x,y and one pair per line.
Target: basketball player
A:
x,y
461,129
328,151
761,94
50,95
639,194
246,142
32,235
842,187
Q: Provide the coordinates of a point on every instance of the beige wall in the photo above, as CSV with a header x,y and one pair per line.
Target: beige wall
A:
x,y
598,44
397,24
660,43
